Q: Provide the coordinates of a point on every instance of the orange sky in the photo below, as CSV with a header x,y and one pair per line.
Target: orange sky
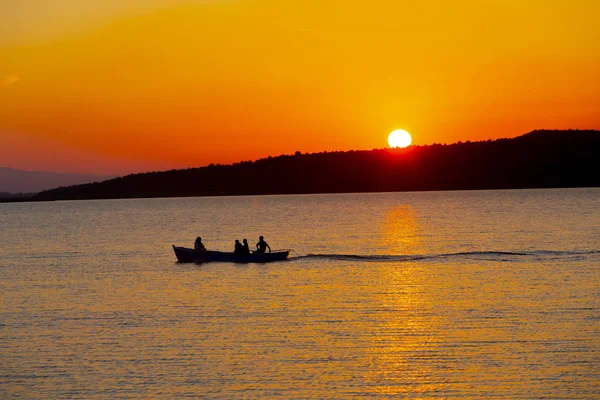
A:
x,y
136,85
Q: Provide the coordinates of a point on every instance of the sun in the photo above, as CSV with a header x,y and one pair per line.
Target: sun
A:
x,y
399,138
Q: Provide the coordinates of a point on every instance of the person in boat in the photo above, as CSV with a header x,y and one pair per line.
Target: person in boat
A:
x,y
198,245
239,249
261,246
245,247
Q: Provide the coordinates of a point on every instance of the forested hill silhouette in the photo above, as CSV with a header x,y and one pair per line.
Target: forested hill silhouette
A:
x,y
539,159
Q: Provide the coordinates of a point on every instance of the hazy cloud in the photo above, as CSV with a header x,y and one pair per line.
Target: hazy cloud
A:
x,y
10,79
22,21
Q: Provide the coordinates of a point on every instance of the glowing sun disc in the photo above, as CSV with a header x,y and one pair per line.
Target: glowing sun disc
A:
x,y
399,138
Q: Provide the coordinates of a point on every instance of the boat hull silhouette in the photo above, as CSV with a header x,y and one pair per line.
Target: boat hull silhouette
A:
x,y
184,254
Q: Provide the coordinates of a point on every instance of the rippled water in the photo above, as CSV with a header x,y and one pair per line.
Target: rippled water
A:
x,y
420,295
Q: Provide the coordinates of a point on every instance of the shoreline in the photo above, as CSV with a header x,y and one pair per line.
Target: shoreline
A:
x,y
35,200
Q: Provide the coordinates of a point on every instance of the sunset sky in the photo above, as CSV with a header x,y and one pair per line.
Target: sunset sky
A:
x,y
119,86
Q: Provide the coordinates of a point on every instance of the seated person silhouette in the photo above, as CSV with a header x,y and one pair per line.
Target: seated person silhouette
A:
x,y
261,246
198,245
239,249
245,247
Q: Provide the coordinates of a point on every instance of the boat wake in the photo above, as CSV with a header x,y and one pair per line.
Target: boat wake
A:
x,y
474,255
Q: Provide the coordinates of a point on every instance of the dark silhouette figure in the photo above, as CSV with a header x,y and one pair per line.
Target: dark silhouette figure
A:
x,y
198,245
245,247
239,249
261,246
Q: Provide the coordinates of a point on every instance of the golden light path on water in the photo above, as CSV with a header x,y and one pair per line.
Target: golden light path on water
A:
x,y
402,232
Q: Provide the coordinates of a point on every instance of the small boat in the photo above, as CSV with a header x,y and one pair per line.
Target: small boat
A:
x,y
184,254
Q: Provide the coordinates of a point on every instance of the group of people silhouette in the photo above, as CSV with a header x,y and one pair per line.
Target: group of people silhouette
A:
x,y
240,249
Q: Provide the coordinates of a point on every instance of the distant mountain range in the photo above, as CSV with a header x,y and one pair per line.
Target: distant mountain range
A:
x,y
18,181
539,159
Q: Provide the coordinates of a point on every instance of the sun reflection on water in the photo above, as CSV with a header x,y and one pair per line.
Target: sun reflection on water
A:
x,y
401,231
404,339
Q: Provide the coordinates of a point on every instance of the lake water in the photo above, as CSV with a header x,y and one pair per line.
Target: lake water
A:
x,y
419,295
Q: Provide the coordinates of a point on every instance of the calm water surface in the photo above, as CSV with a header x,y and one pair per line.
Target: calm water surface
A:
x,y
419,295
